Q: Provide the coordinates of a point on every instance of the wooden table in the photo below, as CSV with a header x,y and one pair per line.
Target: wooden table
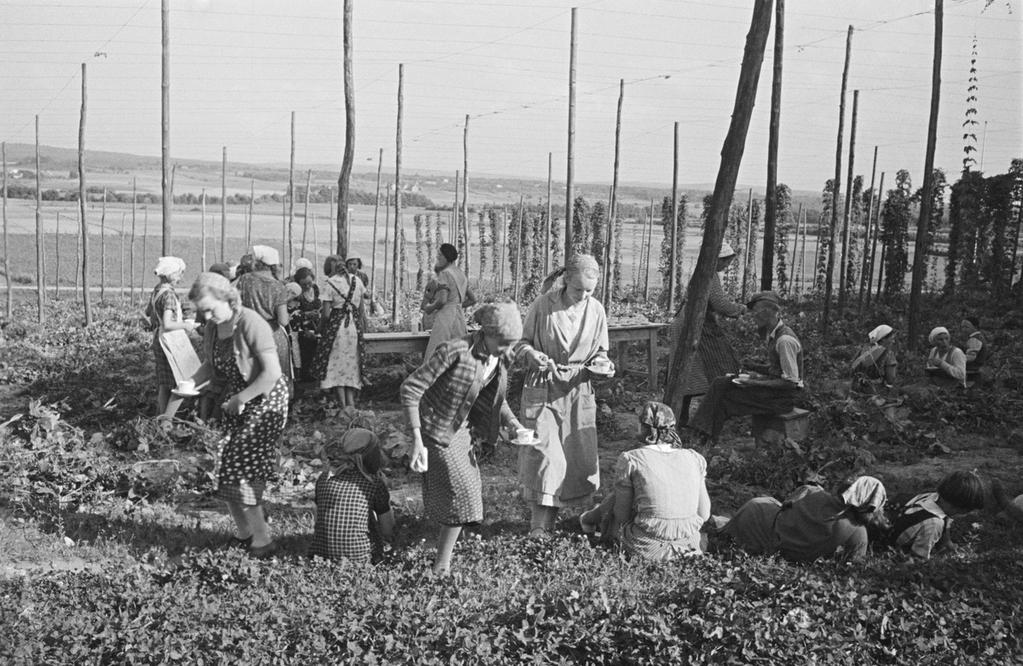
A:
x,y
407,342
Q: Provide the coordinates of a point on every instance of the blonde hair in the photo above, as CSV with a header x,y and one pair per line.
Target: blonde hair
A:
x,y
217,286
583,264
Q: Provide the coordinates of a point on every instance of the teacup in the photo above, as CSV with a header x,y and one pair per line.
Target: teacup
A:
x,y
525,435
601,365
186,386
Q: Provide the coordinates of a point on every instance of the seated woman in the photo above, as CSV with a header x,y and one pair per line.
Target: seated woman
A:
x,y
976,348
946,363
660,498
922,525
876,368
811,523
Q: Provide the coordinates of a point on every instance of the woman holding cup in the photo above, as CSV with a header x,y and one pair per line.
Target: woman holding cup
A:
x,y
241,354
461,387
564,344
164,314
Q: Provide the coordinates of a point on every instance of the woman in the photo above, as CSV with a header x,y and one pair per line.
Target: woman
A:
x,y
338,360
461,387
354,266
660,498
446,306
305,319
429,293
876,368
946,363
714,357
565,331
241,353
262,292
812,523
164,314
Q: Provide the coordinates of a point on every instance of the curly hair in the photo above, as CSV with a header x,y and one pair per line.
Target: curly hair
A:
x,y
217,286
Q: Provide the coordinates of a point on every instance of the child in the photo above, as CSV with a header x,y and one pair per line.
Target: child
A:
x,y
353,507
924,521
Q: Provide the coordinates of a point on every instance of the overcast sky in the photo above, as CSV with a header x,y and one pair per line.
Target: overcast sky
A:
x,y
239,67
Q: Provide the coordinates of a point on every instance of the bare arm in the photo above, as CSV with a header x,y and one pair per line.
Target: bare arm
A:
x,y
283,317
264,382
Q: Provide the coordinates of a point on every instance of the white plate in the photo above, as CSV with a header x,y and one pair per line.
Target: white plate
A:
x,y
529,442
186,394
606,371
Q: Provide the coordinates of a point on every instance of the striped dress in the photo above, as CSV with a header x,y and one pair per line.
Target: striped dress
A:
x,y
715,356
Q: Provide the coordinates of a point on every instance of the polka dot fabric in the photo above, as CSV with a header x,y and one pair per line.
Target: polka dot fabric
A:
x,y
452,490
247,453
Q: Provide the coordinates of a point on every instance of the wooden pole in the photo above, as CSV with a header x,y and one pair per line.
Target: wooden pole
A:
x,y
284,224
465,198
168,198
120,282
517,277
223,206
56,279
570,174
873,243
376,211
646,252
348,159
747,251
685,344
387,235
40,265
332,224
504,244
771,193
608,287
316,255
78,251
927,197
145,250
103,249
7,249
252,201
795,249
397,191
866,235
550,217
456,224
843,276
673,253
833,232
202,231
305,212
131,271
800,231
291,198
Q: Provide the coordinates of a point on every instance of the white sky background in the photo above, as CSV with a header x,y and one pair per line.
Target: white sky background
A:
x,y
239,67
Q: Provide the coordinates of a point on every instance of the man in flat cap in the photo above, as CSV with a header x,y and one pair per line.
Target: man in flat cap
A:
x,y
774,390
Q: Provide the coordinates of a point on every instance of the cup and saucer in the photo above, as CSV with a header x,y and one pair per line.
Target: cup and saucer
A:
x,y
526,437
186,388
601,367
741,379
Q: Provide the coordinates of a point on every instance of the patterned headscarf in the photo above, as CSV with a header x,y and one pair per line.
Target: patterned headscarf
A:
x,y
659,425
866,494
500,319
167,266
880,333
935,332
352,451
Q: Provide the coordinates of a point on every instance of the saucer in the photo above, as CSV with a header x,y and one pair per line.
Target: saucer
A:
x,y
603,371
529,442
186,394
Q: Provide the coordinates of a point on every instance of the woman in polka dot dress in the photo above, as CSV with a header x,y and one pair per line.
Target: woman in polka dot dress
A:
x,y
241,354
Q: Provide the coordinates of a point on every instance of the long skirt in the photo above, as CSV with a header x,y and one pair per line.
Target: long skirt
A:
x,y
338,357
452,489
714,358
448,324
752,528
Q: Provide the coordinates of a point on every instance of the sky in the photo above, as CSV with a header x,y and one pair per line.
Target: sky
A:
x,y
239,67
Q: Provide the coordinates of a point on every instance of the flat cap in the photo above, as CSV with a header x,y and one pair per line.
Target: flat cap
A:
x,y
764,297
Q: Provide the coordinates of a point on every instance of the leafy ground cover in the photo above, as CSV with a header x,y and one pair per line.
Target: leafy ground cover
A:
x,y
111,550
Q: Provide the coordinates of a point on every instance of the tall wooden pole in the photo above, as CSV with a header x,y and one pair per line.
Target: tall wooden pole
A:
x,y
223,205
673,254
284,224
570,174
376,211
550,216
40,265
833,232
316,255
103,249
866,235
646,252
291,198
252,201
343,181
305,210
517,277
612,208
747,252
873,243
7,249
771,195
120,282
504,245
131,251
927,196
56,279
387,236
168,199
802,258
77,272
795,249
456,224
843,276
332,224
685,344
202,230
397,190
145,250
465,198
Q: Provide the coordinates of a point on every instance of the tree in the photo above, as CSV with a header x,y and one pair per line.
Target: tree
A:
x,y
783,226
895,234
855,233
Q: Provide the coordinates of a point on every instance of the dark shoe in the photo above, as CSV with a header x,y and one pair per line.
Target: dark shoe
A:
x,y
263,552
238,542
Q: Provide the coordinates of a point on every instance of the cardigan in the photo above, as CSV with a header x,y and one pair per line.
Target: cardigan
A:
x,y
252,336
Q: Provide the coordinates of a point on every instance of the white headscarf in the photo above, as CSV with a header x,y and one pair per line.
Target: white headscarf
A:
x,y
302,262
266,254
866,494
935,332
880,333
167,266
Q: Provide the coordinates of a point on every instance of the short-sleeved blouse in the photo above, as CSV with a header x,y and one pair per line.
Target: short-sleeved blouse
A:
x,y
263,293
337,289
666,485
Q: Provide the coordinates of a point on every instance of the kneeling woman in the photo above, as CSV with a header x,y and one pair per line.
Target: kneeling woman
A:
x,y
241,355
660,496
811,523
460,387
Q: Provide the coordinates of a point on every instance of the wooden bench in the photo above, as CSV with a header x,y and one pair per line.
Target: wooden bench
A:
x,y
409,342
776,428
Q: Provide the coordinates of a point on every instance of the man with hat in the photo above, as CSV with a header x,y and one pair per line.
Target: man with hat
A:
x,y
774,390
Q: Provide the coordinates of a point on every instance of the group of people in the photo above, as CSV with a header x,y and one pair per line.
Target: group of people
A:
x,y
658,507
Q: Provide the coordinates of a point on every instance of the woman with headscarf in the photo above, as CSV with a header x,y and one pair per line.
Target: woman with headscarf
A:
x,y
241,355
565,333
164,314
446,306
353,506
338,360
946,364
714,355
875,367
262,292
460,388
811,523
660,499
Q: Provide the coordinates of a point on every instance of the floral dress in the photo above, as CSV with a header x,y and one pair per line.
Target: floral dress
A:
x,y
338,360
247,452
163,298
